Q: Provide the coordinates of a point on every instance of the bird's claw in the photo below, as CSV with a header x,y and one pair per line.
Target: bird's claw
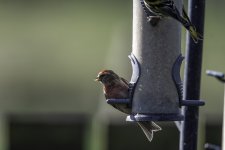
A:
x,y
154,20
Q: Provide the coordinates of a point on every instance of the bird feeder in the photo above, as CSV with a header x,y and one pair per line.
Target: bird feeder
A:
x,y
156,88
157,51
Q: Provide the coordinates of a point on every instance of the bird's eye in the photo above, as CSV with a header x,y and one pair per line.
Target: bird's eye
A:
x,y
101,76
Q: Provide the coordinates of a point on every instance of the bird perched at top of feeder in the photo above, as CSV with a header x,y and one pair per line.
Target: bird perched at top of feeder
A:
x,y
167,8
115,87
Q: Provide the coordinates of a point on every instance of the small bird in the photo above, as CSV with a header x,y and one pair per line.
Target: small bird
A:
x,y
118,88
167,8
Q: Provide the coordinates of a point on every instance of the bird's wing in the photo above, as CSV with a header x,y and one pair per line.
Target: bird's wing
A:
x,y
185,15
124,80
106,97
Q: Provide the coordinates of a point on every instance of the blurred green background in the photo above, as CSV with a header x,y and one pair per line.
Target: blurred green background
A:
x,y
50,52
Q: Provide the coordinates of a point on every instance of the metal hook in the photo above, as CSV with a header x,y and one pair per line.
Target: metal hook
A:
x,y
216,74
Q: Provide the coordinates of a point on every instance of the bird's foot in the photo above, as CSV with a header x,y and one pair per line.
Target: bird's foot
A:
x,y
154,20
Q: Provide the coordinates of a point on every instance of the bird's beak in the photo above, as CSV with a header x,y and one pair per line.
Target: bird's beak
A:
x,y
97,79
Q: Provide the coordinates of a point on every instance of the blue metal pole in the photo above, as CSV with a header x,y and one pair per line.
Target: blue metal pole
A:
x,y
192,78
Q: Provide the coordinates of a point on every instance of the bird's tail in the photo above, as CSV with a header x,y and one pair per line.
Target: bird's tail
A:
x,y
149,128
191,28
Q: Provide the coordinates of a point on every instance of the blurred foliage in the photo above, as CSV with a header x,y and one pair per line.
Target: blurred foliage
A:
x,y
52,50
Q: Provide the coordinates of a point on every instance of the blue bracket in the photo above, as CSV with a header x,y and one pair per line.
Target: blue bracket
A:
x,y
192,103
176,76
118,101
136,72
179,85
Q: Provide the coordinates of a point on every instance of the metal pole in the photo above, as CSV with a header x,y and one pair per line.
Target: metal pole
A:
x,y
192,77
220,77
223,137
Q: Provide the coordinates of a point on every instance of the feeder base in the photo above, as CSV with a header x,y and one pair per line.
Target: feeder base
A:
x,y
155,117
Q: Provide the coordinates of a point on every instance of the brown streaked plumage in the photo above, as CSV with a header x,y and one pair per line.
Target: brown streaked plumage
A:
x,y
115,87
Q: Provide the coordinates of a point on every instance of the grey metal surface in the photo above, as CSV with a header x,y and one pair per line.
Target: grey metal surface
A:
x,y
156,49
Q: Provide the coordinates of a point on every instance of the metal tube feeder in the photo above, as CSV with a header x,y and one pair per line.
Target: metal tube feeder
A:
x,y
156,48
